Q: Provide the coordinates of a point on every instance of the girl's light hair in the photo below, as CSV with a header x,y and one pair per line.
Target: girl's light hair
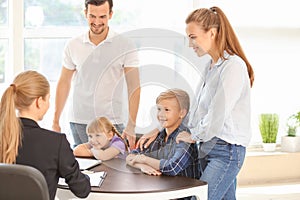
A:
x,y
26,87
226,38
102,124
181,96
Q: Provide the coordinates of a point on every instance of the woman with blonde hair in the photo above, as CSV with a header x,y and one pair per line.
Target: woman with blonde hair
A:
x,y
221,122
23,141
104,141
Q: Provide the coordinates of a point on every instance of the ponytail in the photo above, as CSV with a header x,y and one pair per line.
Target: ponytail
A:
x,y
26,87
226,39
116,132
10,127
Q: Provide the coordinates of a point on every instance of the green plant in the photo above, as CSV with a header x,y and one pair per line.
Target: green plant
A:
x,y
293,122
268,126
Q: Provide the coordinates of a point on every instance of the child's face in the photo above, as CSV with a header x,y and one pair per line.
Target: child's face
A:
x,y
169,113
98,140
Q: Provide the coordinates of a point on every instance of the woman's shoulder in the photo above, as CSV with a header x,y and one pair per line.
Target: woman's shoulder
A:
x,y
235,60
46,134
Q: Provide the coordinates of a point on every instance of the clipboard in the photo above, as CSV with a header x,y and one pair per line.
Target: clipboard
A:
x,y
87,163
96,179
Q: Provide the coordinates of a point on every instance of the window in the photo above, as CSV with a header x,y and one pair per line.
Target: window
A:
x,y
270,36
45,36
3,39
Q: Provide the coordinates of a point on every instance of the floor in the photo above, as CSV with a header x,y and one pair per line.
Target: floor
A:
x,y
284,191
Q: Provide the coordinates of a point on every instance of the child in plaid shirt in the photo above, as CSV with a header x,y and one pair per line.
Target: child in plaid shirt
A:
x,y
164,155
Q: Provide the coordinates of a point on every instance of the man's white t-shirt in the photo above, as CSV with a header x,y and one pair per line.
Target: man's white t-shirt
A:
x,y
98,84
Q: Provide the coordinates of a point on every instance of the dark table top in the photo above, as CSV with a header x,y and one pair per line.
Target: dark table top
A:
x,y
122,178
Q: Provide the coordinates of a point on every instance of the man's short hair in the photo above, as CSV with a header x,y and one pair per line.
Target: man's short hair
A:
x,y
98,3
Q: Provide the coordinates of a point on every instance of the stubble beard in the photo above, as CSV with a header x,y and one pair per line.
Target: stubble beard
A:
x,y
97,31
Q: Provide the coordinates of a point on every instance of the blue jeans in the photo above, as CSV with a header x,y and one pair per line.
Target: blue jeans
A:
x,y
220,162
79,132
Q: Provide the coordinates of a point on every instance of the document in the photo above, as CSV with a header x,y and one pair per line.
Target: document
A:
x,y
87,163
96,178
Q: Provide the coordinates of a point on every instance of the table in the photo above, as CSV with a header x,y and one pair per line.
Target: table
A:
x,y
124,182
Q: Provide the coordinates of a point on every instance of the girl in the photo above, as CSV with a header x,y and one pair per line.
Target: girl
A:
x,y
23,141
105,142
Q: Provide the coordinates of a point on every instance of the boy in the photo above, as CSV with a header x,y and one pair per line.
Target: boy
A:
x,y
164,155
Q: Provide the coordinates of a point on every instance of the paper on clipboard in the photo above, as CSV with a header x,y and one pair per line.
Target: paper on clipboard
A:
x,y
96,179
87,163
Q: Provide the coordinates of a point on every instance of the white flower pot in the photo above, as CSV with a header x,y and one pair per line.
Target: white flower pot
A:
x,y
290,144
269,146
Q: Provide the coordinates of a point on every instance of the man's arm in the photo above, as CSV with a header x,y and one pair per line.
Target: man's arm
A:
x,y
62,93
133,88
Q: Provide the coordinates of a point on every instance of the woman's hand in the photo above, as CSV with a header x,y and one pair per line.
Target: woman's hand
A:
x,y
184,137
147,139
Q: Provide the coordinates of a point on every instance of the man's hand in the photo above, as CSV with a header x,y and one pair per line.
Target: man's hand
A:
x,y
147,139
129,135
56,127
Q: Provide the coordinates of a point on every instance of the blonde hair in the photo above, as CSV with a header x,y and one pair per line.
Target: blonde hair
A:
x,y
181,96
102,124
26,87
226,38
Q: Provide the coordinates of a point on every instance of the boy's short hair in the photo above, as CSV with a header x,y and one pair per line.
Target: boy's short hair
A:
x,y
181,96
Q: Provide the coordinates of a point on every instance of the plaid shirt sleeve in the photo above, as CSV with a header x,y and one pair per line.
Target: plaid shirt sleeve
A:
x,y
179,161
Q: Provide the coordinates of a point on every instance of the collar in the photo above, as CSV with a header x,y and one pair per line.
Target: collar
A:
x,y
29,122
175,132
221,60
110,35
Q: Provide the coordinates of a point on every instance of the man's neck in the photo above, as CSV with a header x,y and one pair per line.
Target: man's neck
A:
x,y
98,38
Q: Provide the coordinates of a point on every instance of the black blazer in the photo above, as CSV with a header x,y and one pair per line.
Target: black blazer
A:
x,y
50,152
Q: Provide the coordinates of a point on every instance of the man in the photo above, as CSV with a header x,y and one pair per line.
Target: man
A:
x,y
98,62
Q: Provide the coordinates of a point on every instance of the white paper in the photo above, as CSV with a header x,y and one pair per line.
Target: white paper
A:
x,y
87,163
96,178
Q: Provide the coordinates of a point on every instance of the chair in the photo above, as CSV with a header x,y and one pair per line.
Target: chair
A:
x,y
22,182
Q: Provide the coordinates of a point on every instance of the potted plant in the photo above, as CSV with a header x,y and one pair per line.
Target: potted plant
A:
x,y
291,142
268,126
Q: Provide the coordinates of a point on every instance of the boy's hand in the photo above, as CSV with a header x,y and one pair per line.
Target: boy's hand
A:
x,y
150,171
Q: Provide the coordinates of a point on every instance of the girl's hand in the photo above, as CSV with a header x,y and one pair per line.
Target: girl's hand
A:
x,y
83,150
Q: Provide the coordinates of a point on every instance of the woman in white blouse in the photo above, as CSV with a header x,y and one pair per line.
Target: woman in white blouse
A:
x,y
220,121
